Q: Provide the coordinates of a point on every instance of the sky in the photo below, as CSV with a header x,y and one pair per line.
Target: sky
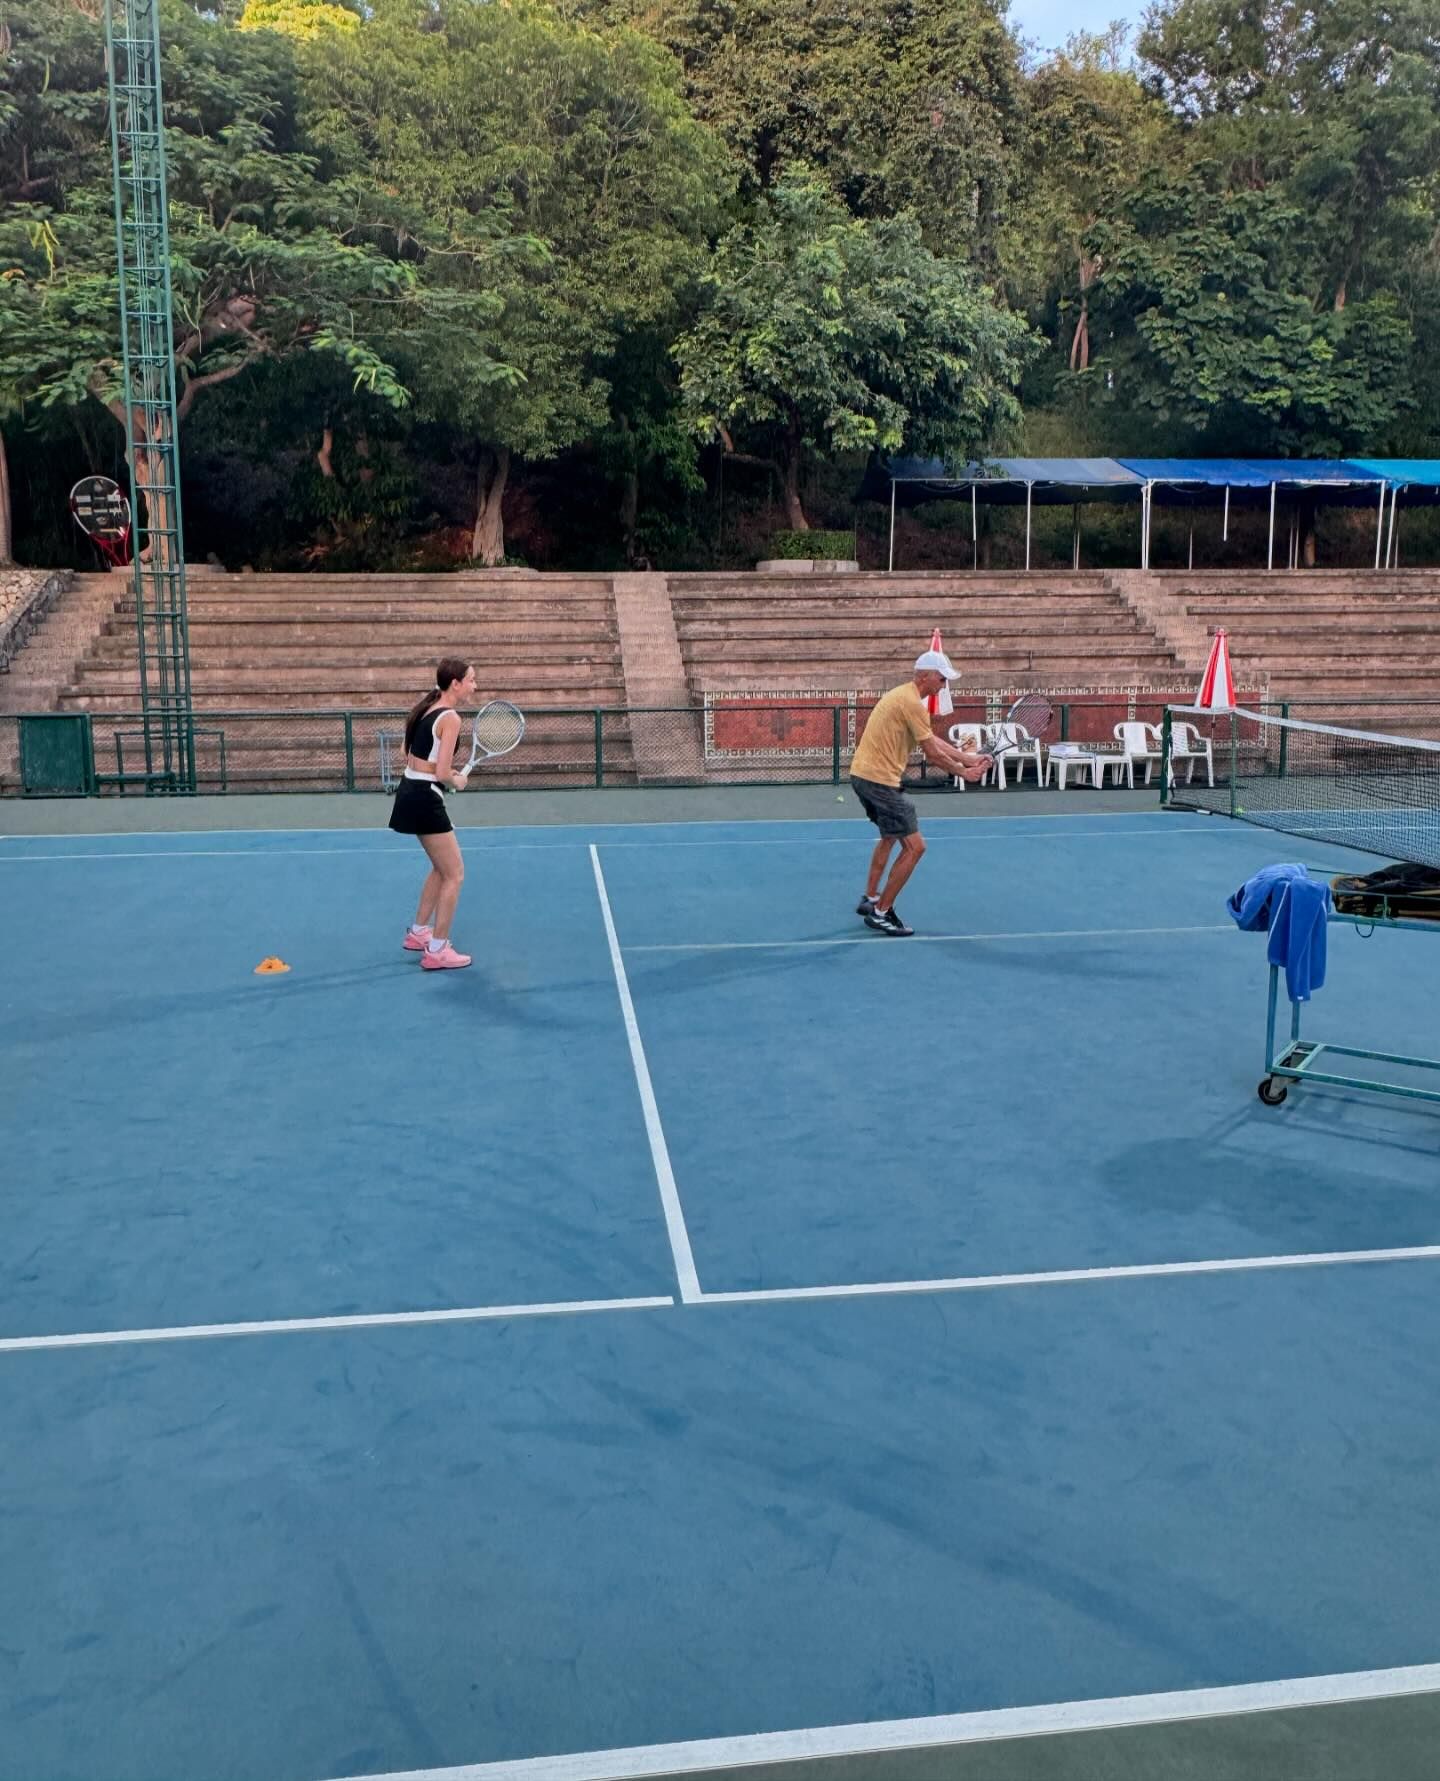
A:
x,y
1050,22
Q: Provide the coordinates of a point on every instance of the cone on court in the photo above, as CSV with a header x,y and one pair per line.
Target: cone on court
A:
x,y
939,704
271,967
1217,685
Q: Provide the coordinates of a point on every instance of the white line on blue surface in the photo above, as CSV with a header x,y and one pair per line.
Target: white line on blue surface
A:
x,y
659,1150
944,1730
589,828
282,853
1245,1264
1240,1264
288,1326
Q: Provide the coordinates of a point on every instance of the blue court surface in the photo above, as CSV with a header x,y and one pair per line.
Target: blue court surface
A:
x,y
704,1332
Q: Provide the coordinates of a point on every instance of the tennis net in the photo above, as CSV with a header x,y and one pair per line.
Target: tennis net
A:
x,y
1355,788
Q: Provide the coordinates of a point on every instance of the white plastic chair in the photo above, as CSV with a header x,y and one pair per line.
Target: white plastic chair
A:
x,y
971,737
1139,742
1188,745
1027,748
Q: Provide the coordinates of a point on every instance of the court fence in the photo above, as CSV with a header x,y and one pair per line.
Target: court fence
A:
x,y
730,739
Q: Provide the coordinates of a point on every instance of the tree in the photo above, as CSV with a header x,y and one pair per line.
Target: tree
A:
x,y
824,332
546,169
1092,128
1338,104
262,260
897,104
1203,292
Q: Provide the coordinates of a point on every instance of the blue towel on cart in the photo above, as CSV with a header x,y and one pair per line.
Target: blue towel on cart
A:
x,y
1294,908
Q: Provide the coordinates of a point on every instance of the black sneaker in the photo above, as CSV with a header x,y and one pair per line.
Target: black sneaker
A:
x,y
888,923
866,906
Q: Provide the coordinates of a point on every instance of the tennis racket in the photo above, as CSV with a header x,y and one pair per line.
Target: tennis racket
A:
x,y
1032,713
103,514
497,728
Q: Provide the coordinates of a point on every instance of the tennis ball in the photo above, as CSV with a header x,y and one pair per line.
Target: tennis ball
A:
x,y
1239,810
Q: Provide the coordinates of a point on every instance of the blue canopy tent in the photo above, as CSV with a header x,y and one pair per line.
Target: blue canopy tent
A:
x,y
1250,478
1418,479
1048,482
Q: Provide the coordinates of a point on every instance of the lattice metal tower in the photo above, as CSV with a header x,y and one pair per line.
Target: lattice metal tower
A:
x,y
142,238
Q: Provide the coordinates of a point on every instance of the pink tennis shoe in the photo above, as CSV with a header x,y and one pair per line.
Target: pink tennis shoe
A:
x,y
447,959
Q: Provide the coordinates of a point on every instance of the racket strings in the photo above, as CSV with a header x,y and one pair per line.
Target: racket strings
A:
x,y
497,729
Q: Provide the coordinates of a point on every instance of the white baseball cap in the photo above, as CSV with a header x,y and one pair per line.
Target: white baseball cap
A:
x,y
937,662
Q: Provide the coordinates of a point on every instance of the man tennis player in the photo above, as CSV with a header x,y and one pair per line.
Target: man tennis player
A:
x,y
899,724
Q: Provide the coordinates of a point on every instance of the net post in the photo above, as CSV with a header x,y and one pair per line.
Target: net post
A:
x,y
599,747
1284,737
1234,759
1166,737
349,751
1064,723
834,745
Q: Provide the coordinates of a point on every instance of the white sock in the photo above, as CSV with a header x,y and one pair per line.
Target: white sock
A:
x,y
437,945
419,927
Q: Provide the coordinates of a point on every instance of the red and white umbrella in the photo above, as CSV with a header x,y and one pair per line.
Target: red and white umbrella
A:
x,y
1217,686
939,704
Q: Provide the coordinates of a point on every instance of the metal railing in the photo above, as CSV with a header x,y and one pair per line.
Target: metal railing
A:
x,y
732,739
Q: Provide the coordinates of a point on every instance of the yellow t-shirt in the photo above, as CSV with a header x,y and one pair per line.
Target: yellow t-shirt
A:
x,y
893,730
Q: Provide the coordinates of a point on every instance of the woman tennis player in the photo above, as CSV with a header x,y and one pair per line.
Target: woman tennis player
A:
x,y
432,731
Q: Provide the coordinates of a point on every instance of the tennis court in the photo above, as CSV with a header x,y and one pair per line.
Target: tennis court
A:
x,y
704,1335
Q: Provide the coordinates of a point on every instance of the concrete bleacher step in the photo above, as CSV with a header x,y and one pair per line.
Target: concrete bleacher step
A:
x,y
893,610
356,677
828,649
1004,625
422,637
292,659
302,587
957,582
125,701
429,617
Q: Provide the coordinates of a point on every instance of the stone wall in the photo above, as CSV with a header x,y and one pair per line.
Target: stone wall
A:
x,y
24,591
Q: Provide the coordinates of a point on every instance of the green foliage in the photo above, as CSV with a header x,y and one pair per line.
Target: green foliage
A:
x,y
916,106
1199,289
817,546
821,331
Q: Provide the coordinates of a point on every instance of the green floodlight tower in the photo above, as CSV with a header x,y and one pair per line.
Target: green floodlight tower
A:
x,y
152,434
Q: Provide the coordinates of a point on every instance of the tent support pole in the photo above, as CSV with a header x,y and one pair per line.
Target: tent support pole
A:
x,y
1390,542
1380,528
1029,486
1225,530
892,526
974,532
1270,559
1075,548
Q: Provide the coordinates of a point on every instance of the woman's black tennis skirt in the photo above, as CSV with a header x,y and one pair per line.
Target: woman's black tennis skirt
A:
x,y
420,809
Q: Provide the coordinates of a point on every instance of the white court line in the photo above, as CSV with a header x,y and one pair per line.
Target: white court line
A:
x,y
589,828
571,1307
1214,927
219,853
283,853
1055,1719
1243,1264
287,1326
659,1151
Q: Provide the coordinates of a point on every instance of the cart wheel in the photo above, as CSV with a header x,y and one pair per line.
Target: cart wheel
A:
x,y
1272,1092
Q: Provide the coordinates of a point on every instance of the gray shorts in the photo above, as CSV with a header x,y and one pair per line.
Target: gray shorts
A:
x,y
887,807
